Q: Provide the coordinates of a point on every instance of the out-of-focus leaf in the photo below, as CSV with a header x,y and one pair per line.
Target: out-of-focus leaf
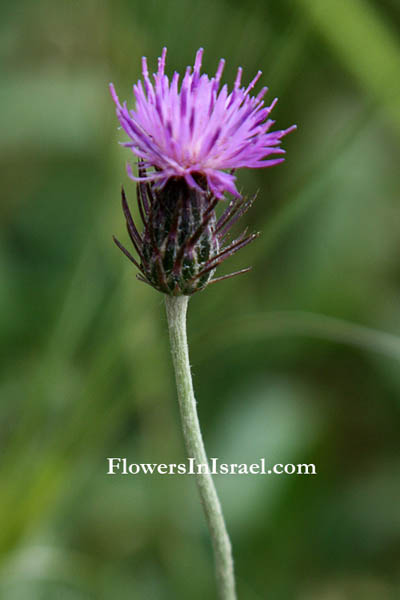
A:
x,y
366,45
52,111
292,323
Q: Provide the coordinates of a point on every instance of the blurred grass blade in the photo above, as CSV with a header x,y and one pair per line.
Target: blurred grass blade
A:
x,y
317,179
365,43
299,323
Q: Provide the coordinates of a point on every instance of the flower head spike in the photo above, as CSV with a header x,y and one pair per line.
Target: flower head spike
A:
x,y
185,138
198,128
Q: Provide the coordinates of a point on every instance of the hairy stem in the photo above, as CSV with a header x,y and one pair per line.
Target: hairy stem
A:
x,y
176,314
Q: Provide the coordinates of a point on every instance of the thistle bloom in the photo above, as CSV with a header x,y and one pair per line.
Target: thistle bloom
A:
x,y
198,128
184,139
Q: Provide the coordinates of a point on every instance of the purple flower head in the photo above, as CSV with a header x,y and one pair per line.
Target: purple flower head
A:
x,y
198,128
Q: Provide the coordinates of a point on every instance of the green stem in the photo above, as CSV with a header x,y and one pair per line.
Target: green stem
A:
x,y
176,315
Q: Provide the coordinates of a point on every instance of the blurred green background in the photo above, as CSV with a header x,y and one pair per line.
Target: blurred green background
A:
x,y
297,361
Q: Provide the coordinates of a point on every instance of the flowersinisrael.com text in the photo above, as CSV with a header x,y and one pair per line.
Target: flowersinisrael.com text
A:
x,y
123,467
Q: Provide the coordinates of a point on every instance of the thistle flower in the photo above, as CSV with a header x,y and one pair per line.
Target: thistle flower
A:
x,y
198,128
183,241
185,138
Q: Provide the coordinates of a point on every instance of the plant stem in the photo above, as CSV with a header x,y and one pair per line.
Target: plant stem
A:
x,y
176,314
